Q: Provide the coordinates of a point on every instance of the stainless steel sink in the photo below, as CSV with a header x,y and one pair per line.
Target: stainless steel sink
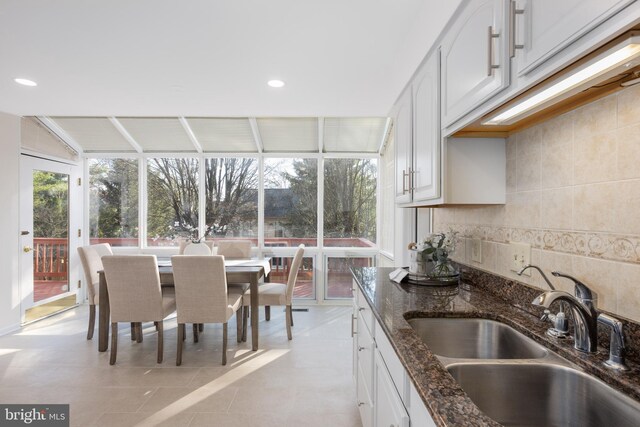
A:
x,y
464,338
544,395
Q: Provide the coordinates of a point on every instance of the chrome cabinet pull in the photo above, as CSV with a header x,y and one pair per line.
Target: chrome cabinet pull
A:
x,y
490,65
404,180
361,308
361,348
353,330
513,11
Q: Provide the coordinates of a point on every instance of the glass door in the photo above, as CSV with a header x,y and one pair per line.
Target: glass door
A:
x,y
50,213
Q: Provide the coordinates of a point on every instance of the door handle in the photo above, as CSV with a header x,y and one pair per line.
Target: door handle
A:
x,y
27,249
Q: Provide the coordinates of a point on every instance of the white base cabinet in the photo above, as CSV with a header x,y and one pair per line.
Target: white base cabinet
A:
x,y
384,393
389,409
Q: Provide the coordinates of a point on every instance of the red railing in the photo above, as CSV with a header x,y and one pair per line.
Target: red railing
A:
x,y
50,259
342,242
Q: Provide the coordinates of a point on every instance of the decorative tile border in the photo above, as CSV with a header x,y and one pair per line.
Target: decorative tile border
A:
x,y
614,247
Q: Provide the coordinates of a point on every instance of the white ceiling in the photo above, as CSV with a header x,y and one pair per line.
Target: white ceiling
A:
x,y
207,58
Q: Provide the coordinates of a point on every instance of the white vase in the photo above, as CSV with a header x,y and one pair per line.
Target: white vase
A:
x,y
419,263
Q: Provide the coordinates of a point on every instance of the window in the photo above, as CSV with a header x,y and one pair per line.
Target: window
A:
x,y
339,281
305,282
290,202
231,186
113,201
350,202
172,200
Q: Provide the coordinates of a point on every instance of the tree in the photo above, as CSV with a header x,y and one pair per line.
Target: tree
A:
x,y
350,198
231,186
113,208
302,219
172,197
50,204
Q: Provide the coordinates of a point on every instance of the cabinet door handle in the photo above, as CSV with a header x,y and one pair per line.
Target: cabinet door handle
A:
x,y
360,308
353,331
361,348
405,175
490,65
360,403
513,11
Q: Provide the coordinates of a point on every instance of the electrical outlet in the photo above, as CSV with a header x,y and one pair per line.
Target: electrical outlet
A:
x,y
476,250
519,256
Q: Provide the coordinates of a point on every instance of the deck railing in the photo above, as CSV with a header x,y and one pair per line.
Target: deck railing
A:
x,y
50,259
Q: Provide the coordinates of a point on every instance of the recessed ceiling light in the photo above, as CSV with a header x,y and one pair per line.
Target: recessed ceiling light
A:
x,y
275,83
25,82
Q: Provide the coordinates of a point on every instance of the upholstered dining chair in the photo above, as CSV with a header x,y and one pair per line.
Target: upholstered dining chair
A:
x,y
183,244
278,293
91,259
135,295
234,249
202,297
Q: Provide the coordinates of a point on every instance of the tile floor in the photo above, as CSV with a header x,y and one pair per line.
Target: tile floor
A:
x,y
306,381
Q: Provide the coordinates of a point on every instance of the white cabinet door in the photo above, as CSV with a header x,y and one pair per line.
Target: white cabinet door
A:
x,y
475,61
402,141
545,27
388,409
365,404
425,174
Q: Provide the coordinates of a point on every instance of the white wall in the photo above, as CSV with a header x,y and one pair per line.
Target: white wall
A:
x,y
9,222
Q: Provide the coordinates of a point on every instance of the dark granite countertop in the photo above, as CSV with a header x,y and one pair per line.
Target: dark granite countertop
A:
x,y
448,404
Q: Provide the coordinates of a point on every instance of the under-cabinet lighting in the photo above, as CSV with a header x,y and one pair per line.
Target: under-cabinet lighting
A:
x,y
606,65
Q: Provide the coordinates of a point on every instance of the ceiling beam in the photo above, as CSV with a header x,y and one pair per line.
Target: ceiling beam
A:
x,y
385,135
320,134
55,128
256,134
125,134
190,134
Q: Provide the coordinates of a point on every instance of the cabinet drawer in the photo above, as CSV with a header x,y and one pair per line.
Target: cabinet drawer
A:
x,y
365,405
392,362
365,349
364,311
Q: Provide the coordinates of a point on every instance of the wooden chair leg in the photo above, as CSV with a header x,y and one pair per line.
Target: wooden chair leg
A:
x,y
239,319
92,321
114,343
267,312
160,341
139,332
288,319
156,325
184,331
180,344
224,343
134,331
200,327
245,311
291,314
195,332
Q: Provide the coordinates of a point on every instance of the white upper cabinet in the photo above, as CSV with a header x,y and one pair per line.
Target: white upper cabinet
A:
x,y
542,28
425,172
403,137
475,60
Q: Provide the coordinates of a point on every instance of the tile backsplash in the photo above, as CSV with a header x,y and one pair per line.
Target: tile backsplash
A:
x,y
573,193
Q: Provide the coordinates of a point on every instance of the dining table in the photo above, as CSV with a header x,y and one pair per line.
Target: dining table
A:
x,y
237,271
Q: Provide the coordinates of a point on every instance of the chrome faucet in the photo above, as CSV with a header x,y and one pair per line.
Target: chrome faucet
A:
x,y
583,308
544,276
560,323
